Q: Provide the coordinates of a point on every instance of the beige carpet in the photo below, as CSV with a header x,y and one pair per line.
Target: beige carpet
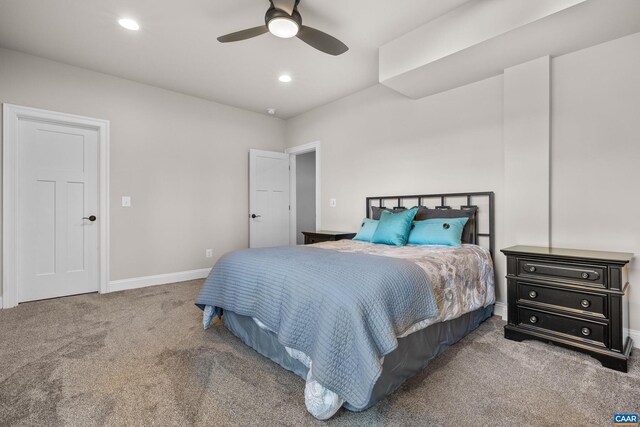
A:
x,y
141,358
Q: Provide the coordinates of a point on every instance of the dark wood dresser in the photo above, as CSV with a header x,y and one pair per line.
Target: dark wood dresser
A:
x,y
325,236
574,298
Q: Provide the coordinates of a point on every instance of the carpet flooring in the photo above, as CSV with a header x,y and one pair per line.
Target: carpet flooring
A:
x,y
141,357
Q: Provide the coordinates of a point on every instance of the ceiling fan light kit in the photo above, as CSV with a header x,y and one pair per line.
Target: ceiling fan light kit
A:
x,y
283,28
283,24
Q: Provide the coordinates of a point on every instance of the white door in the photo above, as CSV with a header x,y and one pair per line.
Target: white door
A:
x,y
268,199
57,244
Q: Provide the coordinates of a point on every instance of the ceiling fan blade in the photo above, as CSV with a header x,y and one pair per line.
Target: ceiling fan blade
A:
x,y
244,34
321,41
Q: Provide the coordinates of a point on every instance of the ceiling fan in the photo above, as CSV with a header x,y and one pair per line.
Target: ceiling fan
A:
x,y
285,21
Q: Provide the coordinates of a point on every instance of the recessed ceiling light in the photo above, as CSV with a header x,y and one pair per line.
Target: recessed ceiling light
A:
x,y
271,111
129,24
285,78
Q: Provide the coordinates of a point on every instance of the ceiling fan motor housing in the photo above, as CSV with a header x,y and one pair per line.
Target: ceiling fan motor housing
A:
x,y
274,13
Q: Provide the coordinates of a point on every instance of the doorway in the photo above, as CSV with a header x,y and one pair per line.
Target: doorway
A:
x,y
55,205
305,190
305,194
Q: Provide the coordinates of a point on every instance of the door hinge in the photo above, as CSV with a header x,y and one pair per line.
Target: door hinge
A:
x,y
289,207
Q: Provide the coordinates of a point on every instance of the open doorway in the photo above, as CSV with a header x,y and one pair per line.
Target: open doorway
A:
x,y
305,194
305,190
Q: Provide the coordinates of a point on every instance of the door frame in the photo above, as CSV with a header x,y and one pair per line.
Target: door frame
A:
x,y
12,114
293,152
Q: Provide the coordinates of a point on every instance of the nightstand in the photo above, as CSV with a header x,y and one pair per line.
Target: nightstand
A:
x,y
574,298
325,236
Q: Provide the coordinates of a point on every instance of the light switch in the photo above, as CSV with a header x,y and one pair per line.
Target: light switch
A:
x,y
332,203
126,201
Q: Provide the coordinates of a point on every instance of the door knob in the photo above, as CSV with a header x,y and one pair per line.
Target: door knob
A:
x,y
90,218
255,216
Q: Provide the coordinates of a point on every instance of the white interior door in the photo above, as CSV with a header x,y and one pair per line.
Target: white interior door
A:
x,y
57,245
268,199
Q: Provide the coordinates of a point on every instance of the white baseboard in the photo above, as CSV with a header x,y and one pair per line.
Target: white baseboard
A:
x,y
635,336
500,309
159,279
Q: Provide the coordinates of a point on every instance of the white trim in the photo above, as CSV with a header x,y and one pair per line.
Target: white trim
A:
x,y
293,152
1,306
293,200
500,309
158,279
11,116
635,336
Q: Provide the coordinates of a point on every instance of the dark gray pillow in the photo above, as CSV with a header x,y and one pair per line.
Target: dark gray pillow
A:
x,y
376,211
467,233
421,215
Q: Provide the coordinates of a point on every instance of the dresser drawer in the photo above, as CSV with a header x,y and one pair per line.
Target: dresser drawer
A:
x,y
587,275
596,333
591,304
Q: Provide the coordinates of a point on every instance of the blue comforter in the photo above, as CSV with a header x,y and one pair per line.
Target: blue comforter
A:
x,y
343,310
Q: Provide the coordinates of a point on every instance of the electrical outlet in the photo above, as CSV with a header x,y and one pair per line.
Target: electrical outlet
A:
x,y
208,253
126,201
332,203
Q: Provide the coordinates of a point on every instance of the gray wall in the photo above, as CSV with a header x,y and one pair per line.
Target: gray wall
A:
x,y
595,153
378,142
305,194
183,160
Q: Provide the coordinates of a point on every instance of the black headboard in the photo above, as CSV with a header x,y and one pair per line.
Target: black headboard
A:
x,y
440,201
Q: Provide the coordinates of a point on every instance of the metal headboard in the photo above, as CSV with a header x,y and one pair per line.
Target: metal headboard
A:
x,y
439,201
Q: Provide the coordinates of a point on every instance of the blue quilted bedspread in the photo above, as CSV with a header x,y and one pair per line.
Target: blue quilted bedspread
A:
x,y
343,310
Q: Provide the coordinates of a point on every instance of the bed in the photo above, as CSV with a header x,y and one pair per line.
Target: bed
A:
x,y
357,319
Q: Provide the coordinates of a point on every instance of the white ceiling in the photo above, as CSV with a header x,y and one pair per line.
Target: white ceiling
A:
x,y
177,49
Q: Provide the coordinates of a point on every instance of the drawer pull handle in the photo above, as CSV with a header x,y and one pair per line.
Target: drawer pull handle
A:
x,y
585,303
533,319
585,275
532,269
586,332
533,294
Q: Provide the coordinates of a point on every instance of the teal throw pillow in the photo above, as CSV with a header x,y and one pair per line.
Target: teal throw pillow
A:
x,y
438,231
366,230
394,228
